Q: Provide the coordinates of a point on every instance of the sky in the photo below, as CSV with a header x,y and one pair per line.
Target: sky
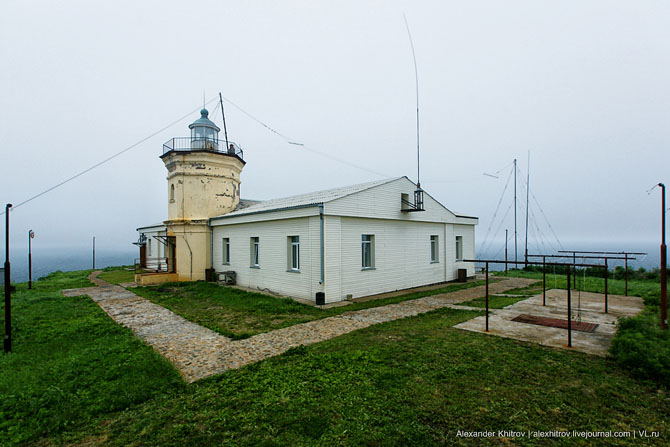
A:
x,y
580,87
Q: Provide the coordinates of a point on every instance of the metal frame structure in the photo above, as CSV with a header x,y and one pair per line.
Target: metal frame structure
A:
x,y
625,253
544,285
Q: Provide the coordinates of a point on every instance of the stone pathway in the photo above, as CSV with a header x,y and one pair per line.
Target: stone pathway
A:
x,y
198,352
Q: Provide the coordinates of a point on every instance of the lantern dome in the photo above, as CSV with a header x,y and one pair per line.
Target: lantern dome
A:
x,y
204,133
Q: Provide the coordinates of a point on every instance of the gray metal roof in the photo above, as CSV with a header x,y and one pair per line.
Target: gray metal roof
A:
x,y
204,121
304,200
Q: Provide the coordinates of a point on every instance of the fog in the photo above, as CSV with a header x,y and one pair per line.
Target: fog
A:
x,y
580,86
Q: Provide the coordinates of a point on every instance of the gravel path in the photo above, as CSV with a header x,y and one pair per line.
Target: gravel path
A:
x,y
198,352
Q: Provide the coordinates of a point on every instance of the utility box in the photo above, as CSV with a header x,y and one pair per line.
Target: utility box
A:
x,y
462,275
229,277
210,275
320,298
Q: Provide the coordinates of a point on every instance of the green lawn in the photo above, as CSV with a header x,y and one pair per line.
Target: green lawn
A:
x,y
76,378
239,314
70,363
117,275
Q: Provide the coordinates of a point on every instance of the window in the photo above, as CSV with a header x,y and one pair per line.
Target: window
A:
x,y
294,253
149,248
225,253
434,249
404,201
368,251
255,249
459,248
172,192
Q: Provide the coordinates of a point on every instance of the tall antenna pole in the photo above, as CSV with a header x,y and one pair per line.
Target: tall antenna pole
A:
x,y
416,79
527,194
515,249
225,131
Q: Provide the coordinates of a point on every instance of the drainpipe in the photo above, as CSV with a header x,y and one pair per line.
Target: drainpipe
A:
x,y
322,280
211,244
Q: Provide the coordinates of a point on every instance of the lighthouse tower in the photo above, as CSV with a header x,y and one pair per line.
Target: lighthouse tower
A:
x,y
203,181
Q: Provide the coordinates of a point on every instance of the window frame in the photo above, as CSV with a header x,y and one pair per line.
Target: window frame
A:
x,y
255,251
225,251
368,240
434,248
459,248
293,253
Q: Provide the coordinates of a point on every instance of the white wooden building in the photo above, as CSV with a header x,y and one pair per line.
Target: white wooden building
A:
x,y
346,243
324,246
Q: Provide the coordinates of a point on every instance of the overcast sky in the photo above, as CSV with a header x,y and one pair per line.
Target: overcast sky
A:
x,y
583,85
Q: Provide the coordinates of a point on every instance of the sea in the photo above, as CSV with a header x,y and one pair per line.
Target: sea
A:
x,y
49,260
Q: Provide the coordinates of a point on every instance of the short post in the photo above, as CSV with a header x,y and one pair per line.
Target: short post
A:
x,y
664,265
93,252
569,312
31,235
626,272
505,252
8,287
606,275
544,282
487,296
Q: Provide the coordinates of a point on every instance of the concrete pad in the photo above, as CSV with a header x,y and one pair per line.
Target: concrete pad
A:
x,y
586,306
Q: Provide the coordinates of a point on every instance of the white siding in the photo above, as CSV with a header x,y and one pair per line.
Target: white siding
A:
x,y
468,234
402,257
273,274
383,202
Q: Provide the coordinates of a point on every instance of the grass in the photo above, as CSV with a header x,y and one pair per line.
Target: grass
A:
x,y
70,363
118,275
415,381
639,345
510,297
76,378
240,314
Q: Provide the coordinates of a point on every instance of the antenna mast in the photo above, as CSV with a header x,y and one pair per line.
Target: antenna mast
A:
x,y
225,131
527,194
416,79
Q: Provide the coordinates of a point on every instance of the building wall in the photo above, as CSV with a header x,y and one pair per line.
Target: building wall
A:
x,y
401,250
155,248
272,274
201,184
402,257
192,250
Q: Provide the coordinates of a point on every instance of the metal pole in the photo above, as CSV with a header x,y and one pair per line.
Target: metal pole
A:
x,y
569,312
664,264
606,275
515,249
8,287
93,252
30,260
527,193
573,266
487,296
626,272
505,251
544,282
225,130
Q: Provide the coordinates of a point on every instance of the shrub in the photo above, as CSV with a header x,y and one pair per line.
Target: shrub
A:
x,y
643,348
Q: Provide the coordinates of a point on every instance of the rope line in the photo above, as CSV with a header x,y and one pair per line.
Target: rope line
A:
x,y
132,146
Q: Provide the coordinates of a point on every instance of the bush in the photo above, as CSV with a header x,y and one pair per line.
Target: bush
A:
x,y
643,348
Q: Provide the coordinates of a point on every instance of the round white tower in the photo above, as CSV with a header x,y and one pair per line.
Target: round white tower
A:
x,y
203,181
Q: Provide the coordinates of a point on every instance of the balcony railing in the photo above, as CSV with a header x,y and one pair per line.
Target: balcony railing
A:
x,y
184,144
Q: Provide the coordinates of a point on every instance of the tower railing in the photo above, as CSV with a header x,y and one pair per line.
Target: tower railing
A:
x,y
188,144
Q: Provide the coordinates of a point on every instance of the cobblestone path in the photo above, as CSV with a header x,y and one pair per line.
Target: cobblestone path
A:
x,y
198,352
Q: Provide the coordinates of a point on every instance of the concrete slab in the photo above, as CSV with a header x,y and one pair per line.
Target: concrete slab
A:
x,y
586,306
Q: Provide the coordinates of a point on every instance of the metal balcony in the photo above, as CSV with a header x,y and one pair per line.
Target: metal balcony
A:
x,y
189,144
